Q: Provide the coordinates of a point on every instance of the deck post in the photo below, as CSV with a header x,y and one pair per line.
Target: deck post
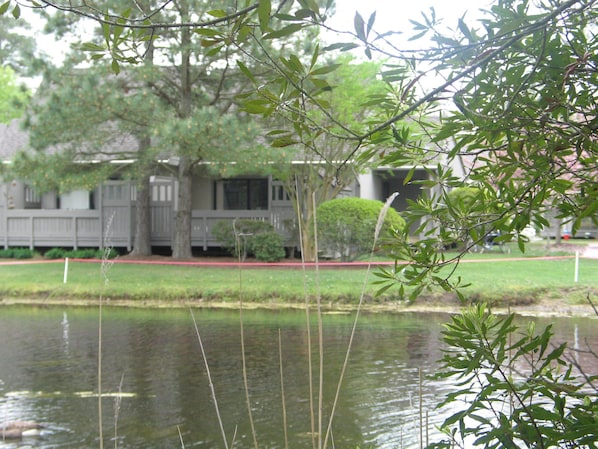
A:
x,y
31,233
101,218
129,216
205,232
75,233
5,218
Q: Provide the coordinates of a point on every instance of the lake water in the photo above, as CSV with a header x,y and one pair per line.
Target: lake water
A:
x,y
48,373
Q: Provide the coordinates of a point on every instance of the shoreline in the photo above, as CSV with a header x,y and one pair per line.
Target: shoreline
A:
x,y
547,308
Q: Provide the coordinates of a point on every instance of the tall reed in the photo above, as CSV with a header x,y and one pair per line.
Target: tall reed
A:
x,y
104,269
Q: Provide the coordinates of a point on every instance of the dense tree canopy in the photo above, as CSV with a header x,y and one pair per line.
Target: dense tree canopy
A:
x,y
14,98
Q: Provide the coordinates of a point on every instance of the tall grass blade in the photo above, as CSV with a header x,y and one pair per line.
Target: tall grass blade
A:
x,y
104,269
421,410
282,393
308,322
178,428
243,358
100,412
320,328
211,384
117,403
379,223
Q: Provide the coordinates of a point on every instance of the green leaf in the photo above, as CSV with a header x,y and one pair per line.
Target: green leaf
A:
x,y
116,32
208,32
246,71
90,46
359,26
346,46
214,51
283,32
16,11
324,70
465,30
283,142
371,21
115,66
218,13
256,106
4,7
263,11
294,64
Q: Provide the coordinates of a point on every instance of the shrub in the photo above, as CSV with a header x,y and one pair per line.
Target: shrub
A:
x,y
267,246
237,236
17,253
87,253
346,226
6,253
55,253
101,253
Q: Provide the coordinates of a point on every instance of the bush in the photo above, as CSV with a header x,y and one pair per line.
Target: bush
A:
x,y
17,253
267,246
239,237
346,226
87,253
55,253
6,253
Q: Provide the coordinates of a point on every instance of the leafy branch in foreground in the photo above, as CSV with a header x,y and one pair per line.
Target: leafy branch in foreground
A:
x,y
516,388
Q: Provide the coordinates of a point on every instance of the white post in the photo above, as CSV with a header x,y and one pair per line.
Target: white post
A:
x,y
66,269
576,277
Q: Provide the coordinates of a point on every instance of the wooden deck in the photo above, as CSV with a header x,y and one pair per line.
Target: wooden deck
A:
x,y
113,226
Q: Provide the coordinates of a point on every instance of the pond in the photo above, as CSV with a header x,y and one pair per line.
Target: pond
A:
x,y
156,387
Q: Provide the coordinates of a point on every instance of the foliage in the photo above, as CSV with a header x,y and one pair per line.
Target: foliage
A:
x,y
515,387
18,50
237,237
346,226
13,98
267,246
465,216
55,253
87,253
463,197
318,122
17,253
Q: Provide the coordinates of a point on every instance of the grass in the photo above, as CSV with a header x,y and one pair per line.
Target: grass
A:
x,y
494,280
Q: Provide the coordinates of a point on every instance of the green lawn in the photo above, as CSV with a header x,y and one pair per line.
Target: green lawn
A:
x,y
490,280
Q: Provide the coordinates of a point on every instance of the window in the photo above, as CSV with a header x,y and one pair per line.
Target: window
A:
x,y
279,193
32,198
245,194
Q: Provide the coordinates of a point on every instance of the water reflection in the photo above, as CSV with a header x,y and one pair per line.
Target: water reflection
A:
x,y
154,373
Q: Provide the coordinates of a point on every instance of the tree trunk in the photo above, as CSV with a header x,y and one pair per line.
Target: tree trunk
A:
x,y
181,248
142,244
308,238
182,232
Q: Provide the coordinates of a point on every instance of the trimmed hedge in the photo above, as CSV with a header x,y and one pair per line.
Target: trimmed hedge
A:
x,y
346,226
87,253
